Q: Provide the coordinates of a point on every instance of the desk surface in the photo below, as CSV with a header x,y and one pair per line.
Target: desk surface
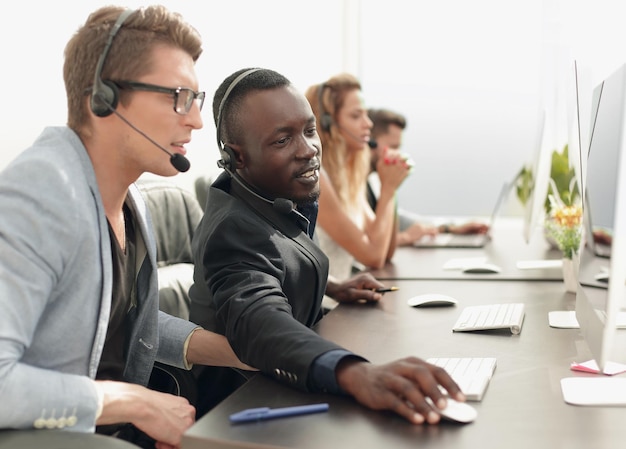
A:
x,y
58,439
506,247
523,406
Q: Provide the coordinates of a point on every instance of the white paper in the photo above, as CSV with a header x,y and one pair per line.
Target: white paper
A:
x,y
462,262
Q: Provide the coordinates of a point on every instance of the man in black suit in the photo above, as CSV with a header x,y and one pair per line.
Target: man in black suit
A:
x,y
259,276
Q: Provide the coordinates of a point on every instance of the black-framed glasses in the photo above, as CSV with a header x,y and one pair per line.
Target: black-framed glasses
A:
x,y
183,96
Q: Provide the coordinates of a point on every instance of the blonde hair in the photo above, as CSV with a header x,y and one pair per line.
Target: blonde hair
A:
x,y
347,170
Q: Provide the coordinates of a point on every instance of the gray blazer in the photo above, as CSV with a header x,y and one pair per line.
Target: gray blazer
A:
x,y
55,289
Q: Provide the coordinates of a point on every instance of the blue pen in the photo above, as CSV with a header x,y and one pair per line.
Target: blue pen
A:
x,y
263,413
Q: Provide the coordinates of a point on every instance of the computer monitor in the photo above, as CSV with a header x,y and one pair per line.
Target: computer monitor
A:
x,y
601,171
580,125
578,131
597,309
541,166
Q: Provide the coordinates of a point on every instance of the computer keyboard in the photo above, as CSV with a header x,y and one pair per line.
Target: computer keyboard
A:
x,y
452,241
472,374
491,317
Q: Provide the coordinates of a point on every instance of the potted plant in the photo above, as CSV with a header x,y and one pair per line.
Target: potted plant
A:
x,y
563,226
562,180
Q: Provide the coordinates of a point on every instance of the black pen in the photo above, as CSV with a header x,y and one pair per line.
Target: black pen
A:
x,y
386,289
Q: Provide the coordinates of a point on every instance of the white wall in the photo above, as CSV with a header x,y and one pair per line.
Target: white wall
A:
x,y
466,75
280,34
470,76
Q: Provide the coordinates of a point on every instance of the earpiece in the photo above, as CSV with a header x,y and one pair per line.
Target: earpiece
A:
x,y
326,119
227,154
105,95
104,98
228,159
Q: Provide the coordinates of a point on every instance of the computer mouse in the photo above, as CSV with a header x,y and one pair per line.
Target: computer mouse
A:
x,y
482,268
455,411
602,276
432,300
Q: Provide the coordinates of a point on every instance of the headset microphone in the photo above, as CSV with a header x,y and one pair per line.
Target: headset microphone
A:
x,y
281,205
371,143
180,162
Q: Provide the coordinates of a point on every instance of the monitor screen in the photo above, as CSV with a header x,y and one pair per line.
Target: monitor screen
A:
x,y
540,170
601,170
597,309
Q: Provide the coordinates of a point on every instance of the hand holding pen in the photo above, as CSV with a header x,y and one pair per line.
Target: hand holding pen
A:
x,y
381,291
360,288
386,289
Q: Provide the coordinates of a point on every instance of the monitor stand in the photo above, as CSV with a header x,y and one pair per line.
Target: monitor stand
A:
x,y
594,391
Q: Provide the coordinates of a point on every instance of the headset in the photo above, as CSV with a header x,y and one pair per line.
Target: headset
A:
x,y
104,94
227,154
326,120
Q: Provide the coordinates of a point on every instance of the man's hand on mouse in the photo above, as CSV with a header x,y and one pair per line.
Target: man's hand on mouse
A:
x,y
400,386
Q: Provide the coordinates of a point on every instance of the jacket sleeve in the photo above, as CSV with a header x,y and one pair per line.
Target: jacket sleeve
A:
x,y
173,332
45,342
244,272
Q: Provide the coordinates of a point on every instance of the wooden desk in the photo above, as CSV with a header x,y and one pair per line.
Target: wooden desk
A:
x,y
523,406
505,249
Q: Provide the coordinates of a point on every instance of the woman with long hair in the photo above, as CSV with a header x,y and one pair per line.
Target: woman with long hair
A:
x,y
347,228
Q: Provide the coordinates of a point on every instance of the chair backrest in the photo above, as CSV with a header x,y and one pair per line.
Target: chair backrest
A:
x,y
175,214
201,186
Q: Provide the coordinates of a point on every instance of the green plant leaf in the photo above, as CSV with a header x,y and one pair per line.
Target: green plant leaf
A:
x,y
562,174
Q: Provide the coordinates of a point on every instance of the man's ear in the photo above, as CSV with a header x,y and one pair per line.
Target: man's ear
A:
x,y
232,156
239,159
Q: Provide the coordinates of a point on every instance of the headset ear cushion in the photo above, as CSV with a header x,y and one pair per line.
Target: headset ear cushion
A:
x,y
104,99
228,158
326,121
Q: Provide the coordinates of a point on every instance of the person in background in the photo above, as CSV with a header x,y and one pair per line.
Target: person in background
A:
x,y
80,329
387,129
349,230
259,276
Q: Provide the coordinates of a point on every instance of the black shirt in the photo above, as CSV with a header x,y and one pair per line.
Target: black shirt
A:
x,y
113,358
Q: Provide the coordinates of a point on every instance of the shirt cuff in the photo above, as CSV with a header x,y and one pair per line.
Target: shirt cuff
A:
x,y
188,365
323,377
100,405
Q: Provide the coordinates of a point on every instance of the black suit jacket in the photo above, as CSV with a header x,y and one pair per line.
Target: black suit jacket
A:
x,y
259,280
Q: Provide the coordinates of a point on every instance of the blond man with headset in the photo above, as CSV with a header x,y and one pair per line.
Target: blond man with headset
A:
x,y
80,329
